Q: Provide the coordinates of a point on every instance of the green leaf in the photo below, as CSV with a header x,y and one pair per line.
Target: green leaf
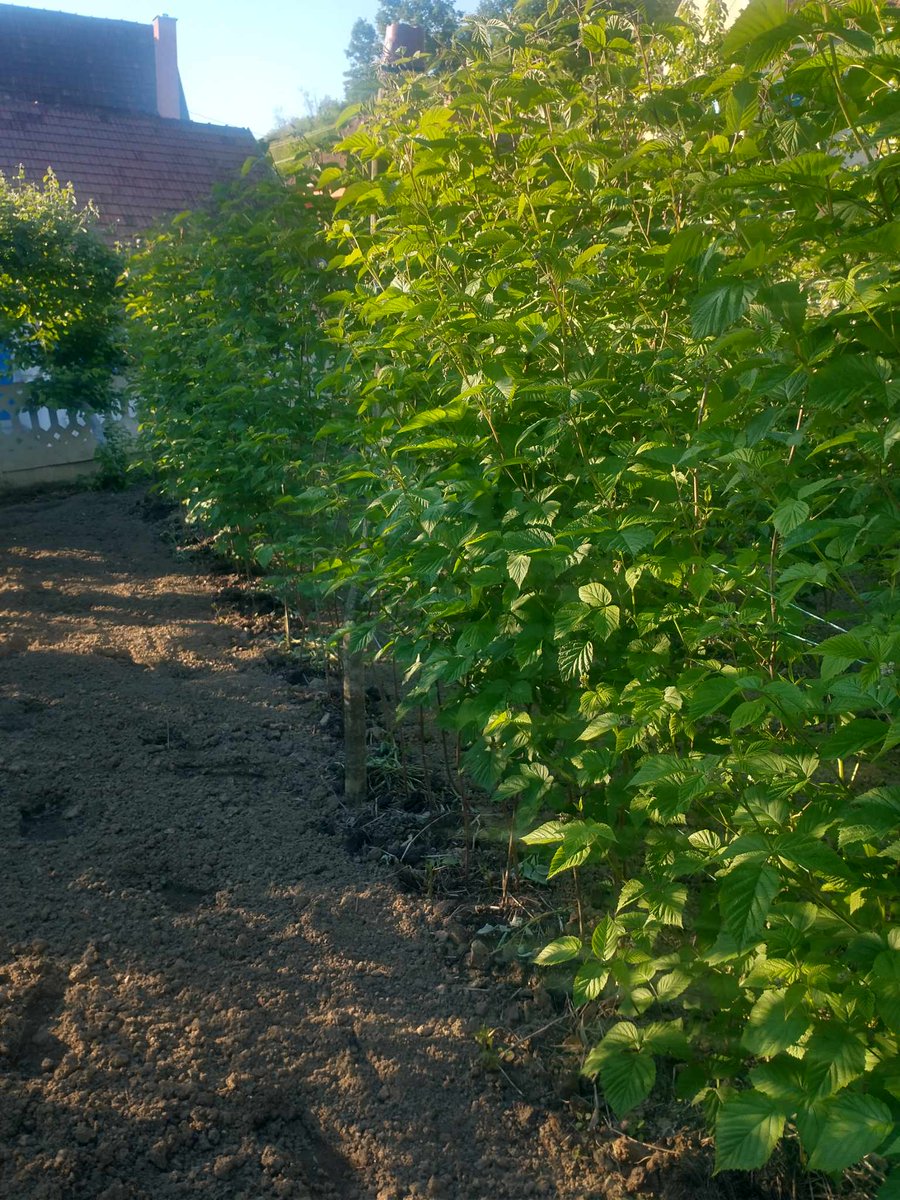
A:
x,y
627,1079
719,306
660,768
567,857
851,1127
748,712
783,1079
604,621
329,176
748,1127
546,835
686,245
517,565
845,645
624,1035
587,255
669,987
890,1189
600,725
835,1057
626,1074
346,114
578,842
666,1037
632,891
745,897
575,658
595,594
856,735
605,938
776,1022
789,515
593,38
562,950
569,617
631,539
589,982
761,21
842,439
885,984
710,695
356,191
433,416
666,901
811,854
757,18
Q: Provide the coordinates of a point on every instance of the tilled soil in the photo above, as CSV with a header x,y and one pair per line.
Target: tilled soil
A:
x,y
201,992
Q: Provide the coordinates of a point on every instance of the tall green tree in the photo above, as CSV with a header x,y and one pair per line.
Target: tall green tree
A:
x,y
438,18
59,310
516,11
505,10
310,137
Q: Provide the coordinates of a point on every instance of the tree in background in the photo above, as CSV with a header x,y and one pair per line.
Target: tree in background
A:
x,y
438,18
514,11
310,137
59,310
504,10
320,114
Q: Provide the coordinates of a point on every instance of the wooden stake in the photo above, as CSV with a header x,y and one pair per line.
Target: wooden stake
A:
x,y
355,781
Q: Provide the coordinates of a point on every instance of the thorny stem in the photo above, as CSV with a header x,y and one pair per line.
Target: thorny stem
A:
x,y
466,808
511,858
398,730
444,745
578,909
426,781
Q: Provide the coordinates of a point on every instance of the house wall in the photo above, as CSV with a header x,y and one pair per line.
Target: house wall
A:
x,y
39,446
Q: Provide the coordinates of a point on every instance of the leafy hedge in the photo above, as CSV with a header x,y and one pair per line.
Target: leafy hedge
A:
x,y
226,338
613,391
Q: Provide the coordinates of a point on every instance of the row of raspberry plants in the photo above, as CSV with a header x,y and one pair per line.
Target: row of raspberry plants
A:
x,y
601,426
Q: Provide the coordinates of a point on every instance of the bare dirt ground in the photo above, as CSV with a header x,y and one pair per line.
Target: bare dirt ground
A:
x,y
201,992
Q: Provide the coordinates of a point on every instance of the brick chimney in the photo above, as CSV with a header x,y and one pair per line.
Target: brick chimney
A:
x,y
402,41
168,85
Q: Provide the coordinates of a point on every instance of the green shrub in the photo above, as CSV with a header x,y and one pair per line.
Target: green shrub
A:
x,y
113,457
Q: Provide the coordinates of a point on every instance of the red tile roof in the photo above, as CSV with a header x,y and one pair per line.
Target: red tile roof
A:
x,y
136,168
60,58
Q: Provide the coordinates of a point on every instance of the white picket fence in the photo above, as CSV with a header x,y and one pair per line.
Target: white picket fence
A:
x,y
42,445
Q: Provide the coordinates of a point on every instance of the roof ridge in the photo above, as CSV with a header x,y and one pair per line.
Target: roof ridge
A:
x,y
54,12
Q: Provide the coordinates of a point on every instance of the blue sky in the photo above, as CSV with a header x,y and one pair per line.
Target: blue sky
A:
x,y
245,61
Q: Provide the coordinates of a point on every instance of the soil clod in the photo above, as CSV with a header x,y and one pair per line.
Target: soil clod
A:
x,y
52,821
